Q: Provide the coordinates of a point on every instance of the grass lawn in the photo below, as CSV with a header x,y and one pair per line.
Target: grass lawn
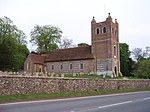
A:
x,y
87,76
30,97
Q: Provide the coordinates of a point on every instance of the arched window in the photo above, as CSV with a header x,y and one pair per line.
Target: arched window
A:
x,y
114,50
104,30
97,31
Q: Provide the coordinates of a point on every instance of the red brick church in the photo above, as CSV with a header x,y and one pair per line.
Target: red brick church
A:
x,y
101,58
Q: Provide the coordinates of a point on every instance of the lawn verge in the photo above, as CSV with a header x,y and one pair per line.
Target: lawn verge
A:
x,y
32,97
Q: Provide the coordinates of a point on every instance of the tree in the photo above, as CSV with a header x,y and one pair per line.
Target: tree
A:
x,y
83,44
13,49
126,63
9,30
45,37
66,43
142,69
139,54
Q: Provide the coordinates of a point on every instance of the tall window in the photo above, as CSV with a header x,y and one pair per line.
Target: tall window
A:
x,y
81,66
104,30
114,50
97,31
52,67
70,66
61,67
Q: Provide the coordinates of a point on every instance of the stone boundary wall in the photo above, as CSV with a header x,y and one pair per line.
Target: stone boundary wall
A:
x,y
11,85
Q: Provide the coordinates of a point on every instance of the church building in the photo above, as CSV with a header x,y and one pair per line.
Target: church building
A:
x,y
101,57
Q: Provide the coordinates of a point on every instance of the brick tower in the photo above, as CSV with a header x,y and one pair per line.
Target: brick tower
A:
x,y
105,46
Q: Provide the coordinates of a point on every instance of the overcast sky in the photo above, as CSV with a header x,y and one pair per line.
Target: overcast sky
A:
x,y
74,17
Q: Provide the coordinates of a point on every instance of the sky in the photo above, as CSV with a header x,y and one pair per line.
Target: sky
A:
x,y
74,17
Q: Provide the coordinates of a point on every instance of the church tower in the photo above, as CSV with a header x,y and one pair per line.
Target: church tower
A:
x,y
105,46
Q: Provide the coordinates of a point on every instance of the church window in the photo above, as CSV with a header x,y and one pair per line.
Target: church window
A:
x,y
114,50
61,67
97,31
52,67
81,66
104,30
70,66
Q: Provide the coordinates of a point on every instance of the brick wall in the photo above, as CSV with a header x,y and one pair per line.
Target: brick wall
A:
x,y
87,67
105,45
10,85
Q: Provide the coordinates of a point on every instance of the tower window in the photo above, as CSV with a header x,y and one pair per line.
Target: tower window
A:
x,y
97,31
104,30
114,50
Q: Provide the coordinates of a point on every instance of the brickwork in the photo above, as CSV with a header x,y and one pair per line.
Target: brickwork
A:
x,y
64,67
105,46
10,85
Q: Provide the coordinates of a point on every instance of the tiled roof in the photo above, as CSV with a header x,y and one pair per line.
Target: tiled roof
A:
x,y
38,58
77,53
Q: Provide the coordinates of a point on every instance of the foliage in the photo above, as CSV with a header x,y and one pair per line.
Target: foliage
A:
x,y
140,54
142,69
83,44
66,43
126,63
13,49
45,37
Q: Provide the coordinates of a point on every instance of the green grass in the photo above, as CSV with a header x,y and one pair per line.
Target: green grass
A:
x,y
87,76
14,98
99,77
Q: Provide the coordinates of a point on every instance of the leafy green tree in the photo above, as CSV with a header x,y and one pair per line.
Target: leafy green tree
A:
x,y
142,69
45,37
126,63
13,49
83,44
